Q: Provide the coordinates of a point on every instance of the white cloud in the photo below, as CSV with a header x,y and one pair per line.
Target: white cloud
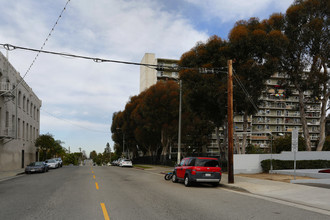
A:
x,y
86,92
83,91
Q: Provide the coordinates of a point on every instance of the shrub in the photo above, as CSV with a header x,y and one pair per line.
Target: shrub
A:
x,y
288,164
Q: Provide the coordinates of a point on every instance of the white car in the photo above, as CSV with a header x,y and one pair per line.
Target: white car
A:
x,y
59,161
126,163
52,163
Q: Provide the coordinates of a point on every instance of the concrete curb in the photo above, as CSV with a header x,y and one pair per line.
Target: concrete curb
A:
x,y
235,188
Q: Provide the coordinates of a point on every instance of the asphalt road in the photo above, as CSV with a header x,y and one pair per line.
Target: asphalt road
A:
x,y
128,193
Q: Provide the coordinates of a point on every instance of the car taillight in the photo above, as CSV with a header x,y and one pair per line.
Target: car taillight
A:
x,y
193,172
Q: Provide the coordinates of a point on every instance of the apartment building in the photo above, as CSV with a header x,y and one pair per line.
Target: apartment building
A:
x,y
279,115
19,119
162,69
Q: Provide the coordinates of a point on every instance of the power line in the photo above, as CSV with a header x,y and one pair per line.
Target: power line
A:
x,y
158,67
244,90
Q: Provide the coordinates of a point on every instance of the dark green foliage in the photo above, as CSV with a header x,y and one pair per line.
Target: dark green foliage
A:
x,y
288,164
284,144
252,149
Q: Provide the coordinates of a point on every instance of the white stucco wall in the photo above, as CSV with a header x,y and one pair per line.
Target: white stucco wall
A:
x,y
251,163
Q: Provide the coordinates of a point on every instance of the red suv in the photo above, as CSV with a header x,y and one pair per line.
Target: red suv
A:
x,y
198,169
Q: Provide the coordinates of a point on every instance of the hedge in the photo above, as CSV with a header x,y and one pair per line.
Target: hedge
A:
x,y
288,164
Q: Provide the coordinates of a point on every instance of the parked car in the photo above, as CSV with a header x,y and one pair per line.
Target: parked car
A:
x,y
59,161
36,167
126,163
198,170
119,161
47,166
53,164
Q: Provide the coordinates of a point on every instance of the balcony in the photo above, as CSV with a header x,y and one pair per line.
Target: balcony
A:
x,y
5,86
7,133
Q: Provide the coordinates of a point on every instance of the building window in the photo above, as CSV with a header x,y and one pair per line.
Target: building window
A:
x,y
18,128
31,108
7,119
24,103
27,131
23,133
27,106
34,113
19,99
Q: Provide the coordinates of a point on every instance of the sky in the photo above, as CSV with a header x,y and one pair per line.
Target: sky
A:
x,y
80,96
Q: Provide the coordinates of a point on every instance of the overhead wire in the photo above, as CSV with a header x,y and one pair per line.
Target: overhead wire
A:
x,y
244,90
7,47
10,47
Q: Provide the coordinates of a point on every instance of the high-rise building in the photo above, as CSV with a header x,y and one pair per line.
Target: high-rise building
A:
x,y
162,69
19,119
279,115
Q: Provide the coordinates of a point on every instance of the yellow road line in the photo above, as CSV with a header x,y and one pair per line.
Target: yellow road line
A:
x,y
96,185
105,213
93,176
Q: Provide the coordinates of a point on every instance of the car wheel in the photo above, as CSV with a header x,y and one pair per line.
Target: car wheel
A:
x,y
187,181
174,178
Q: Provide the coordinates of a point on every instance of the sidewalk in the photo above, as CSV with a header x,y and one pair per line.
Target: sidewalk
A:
x,y
300,194
4,175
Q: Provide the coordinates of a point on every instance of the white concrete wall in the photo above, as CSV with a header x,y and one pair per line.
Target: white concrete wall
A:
x,y
251,163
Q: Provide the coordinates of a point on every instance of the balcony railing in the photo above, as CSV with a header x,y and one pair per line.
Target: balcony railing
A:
x,y
7,133
5,86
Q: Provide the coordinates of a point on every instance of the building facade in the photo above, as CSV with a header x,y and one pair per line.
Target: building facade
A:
x,y
19,119
279,115
166,70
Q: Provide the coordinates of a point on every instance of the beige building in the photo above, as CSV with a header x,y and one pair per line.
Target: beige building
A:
x,y
161,69
19,119
278,116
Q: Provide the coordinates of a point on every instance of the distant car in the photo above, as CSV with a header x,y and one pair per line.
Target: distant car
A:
x,y
198,169
53,164
36,167
126,163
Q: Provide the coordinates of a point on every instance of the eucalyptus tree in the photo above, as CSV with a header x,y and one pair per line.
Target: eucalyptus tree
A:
x,y
204,81
305,57
253,48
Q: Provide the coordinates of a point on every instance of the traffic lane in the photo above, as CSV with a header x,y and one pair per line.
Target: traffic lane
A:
x,y
137,194
65,193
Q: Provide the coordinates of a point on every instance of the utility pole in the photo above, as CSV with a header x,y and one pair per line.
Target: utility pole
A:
x,y
230,123
179,134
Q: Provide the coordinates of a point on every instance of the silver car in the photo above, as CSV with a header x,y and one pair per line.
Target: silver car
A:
x,y
52,163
